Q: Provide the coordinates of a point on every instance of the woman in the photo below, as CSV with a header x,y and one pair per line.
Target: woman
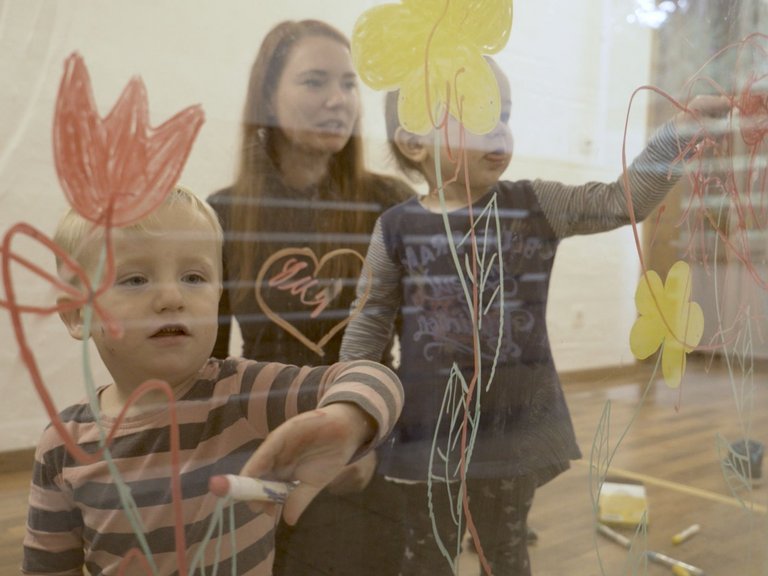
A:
x,y
297,223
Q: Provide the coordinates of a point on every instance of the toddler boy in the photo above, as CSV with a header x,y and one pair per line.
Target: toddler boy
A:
x,y
235,416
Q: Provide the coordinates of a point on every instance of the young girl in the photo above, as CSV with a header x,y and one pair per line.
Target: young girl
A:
x,y
521,435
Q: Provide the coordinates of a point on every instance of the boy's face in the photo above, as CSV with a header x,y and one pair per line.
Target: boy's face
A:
x,y
165,296
487,155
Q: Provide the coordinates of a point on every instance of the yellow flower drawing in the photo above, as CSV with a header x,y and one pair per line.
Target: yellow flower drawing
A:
x,y
667,318
432,51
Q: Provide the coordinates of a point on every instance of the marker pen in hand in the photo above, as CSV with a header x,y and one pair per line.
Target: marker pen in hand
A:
x,y
246,488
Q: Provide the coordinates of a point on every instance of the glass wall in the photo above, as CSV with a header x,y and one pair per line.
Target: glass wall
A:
x,y
547,219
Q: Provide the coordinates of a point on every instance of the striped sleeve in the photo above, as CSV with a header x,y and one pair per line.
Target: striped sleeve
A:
x,y
370,330
277,392
598,207
372,387
53,543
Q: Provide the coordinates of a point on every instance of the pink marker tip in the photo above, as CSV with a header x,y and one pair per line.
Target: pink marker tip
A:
x,y
219,485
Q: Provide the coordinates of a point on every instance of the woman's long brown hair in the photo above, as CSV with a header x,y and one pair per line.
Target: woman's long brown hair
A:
x,y
258,158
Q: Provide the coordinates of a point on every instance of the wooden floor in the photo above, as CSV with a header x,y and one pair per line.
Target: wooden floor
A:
x,y
671,446
13,516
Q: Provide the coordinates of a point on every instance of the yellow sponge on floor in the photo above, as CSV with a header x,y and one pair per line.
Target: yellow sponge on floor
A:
x,y
622,504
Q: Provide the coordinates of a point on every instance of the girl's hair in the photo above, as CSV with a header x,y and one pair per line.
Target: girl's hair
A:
x,y
410,168
258,158
75,235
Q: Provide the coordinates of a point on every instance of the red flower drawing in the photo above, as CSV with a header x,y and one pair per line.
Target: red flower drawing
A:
x,y
753,107
116,170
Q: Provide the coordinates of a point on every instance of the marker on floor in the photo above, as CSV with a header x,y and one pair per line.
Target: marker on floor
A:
x,y
681,537
611,534
246,488
679,568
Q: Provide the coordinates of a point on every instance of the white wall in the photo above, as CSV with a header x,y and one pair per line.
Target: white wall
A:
x,y
573,68
567,62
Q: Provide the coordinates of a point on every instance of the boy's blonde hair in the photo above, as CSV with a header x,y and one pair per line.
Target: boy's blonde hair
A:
x,y
74,234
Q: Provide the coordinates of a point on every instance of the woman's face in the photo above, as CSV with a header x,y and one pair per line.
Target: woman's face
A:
x,y
316,103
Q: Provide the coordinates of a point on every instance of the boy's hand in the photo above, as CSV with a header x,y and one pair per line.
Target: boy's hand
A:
x,y
354,477
311,448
